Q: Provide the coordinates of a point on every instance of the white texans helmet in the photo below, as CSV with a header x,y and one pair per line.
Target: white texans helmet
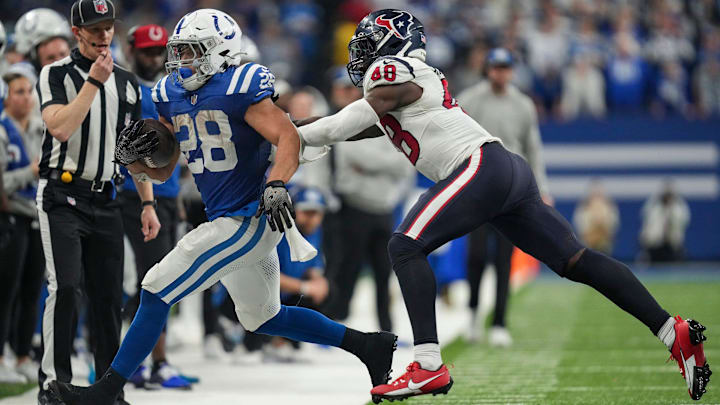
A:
x,y
3,39
208,41
37,26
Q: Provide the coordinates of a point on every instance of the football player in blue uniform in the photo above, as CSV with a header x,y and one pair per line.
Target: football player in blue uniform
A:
x,y
225,122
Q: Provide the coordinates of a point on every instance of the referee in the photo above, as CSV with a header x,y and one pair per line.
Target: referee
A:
x,y
86,100
510,115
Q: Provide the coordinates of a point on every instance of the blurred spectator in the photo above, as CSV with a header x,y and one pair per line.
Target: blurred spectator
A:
x,y
22,259
671,91
371,180
43,36
299,279
667,42
707,75
547,54
471,71
510,115
665,219
596,219
626,75
583,89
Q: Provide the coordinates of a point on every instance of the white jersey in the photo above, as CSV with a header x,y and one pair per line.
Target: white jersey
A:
x,y
434,133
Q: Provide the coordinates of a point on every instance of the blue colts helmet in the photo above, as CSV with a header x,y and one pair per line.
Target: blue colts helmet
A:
x,y
385,32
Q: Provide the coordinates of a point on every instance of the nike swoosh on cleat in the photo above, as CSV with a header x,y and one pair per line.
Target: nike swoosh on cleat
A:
x,y
416,386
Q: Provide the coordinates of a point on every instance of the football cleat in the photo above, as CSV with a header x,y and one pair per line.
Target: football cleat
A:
x,y
415,381
688,351
377,356
73,395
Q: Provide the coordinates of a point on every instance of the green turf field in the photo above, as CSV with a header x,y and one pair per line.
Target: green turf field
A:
x,y
9,390
574,347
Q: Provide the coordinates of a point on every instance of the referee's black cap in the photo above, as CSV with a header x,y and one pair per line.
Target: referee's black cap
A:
x,y
88,12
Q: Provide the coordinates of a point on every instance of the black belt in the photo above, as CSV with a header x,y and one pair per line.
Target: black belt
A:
x,y
70,178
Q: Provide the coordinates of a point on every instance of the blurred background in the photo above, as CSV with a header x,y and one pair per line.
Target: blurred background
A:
x,y
626,93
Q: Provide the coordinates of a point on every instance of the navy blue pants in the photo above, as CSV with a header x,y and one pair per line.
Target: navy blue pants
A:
x,y
498,187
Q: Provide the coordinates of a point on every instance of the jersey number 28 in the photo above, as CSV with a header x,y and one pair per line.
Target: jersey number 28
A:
x,y
214,132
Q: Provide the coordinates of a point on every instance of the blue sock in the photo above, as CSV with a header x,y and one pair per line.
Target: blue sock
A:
x,y
142,335
304,325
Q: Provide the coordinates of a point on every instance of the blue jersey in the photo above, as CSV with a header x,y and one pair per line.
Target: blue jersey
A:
x,y
17,155
170,188
227,157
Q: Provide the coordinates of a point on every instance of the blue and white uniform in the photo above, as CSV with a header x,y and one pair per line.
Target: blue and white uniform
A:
x,y
228,160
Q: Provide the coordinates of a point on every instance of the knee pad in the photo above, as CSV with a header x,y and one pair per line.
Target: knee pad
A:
x,y
401,249
252,320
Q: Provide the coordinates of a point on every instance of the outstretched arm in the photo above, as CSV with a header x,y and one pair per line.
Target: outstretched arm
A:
x,y
360,115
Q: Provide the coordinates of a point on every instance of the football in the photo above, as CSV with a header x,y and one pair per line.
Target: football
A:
x,y
167,143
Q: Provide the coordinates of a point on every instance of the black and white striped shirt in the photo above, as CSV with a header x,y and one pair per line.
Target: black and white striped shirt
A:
x,y
89,151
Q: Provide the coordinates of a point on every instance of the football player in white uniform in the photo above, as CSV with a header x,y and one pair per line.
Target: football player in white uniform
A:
x,y
477,181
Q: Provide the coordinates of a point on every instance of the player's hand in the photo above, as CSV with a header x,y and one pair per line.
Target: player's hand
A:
x,y
275,203
133,143
150,223
102,68
317,289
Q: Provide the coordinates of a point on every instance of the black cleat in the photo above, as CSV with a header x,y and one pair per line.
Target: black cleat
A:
x,y
46,397
73,395
378,354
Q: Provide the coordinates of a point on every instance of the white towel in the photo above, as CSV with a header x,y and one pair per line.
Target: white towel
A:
x,y
300,249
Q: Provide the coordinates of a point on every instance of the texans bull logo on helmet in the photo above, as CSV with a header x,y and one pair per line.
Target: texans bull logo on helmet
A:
x,y
397,22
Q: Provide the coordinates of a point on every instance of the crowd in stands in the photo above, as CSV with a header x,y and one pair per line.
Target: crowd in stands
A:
x,y
575,57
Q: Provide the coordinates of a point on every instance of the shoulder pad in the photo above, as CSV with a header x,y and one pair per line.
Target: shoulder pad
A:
x,y
252,80
388,70
159,92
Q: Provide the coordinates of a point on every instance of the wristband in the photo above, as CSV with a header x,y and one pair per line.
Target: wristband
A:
x,y
95,82
304,288
149,202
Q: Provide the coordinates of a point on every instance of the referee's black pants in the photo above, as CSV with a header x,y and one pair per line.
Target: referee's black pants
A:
x,y
82,237
147,254
21,275
477,260
364,240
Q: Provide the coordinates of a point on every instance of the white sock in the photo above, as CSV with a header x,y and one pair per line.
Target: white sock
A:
x,y
428,355
667,333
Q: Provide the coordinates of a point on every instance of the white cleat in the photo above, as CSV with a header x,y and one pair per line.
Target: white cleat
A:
x,y
10,376
29,369
499,337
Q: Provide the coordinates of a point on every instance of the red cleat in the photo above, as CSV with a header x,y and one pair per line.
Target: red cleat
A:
x,y
688,351
416,381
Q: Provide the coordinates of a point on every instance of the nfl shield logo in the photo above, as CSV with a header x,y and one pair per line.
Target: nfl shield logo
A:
x,y
193,99
100,6
71,201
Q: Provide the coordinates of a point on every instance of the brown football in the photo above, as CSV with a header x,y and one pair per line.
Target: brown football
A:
x,y
167,143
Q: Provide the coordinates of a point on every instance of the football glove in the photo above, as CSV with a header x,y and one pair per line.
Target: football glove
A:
x,y
134,144
275,203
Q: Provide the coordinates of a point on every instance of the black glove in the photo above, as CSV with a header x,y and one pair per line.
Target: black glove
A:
x,y
275,203
134,144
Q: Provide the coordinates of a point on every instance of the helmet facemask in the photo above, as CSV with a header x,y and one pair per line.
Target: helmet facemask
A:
x,y
363,52
186,55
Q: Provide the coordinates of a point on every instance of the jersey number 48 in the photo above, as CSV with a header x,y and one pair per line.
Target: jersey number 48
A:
x,y
214,132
